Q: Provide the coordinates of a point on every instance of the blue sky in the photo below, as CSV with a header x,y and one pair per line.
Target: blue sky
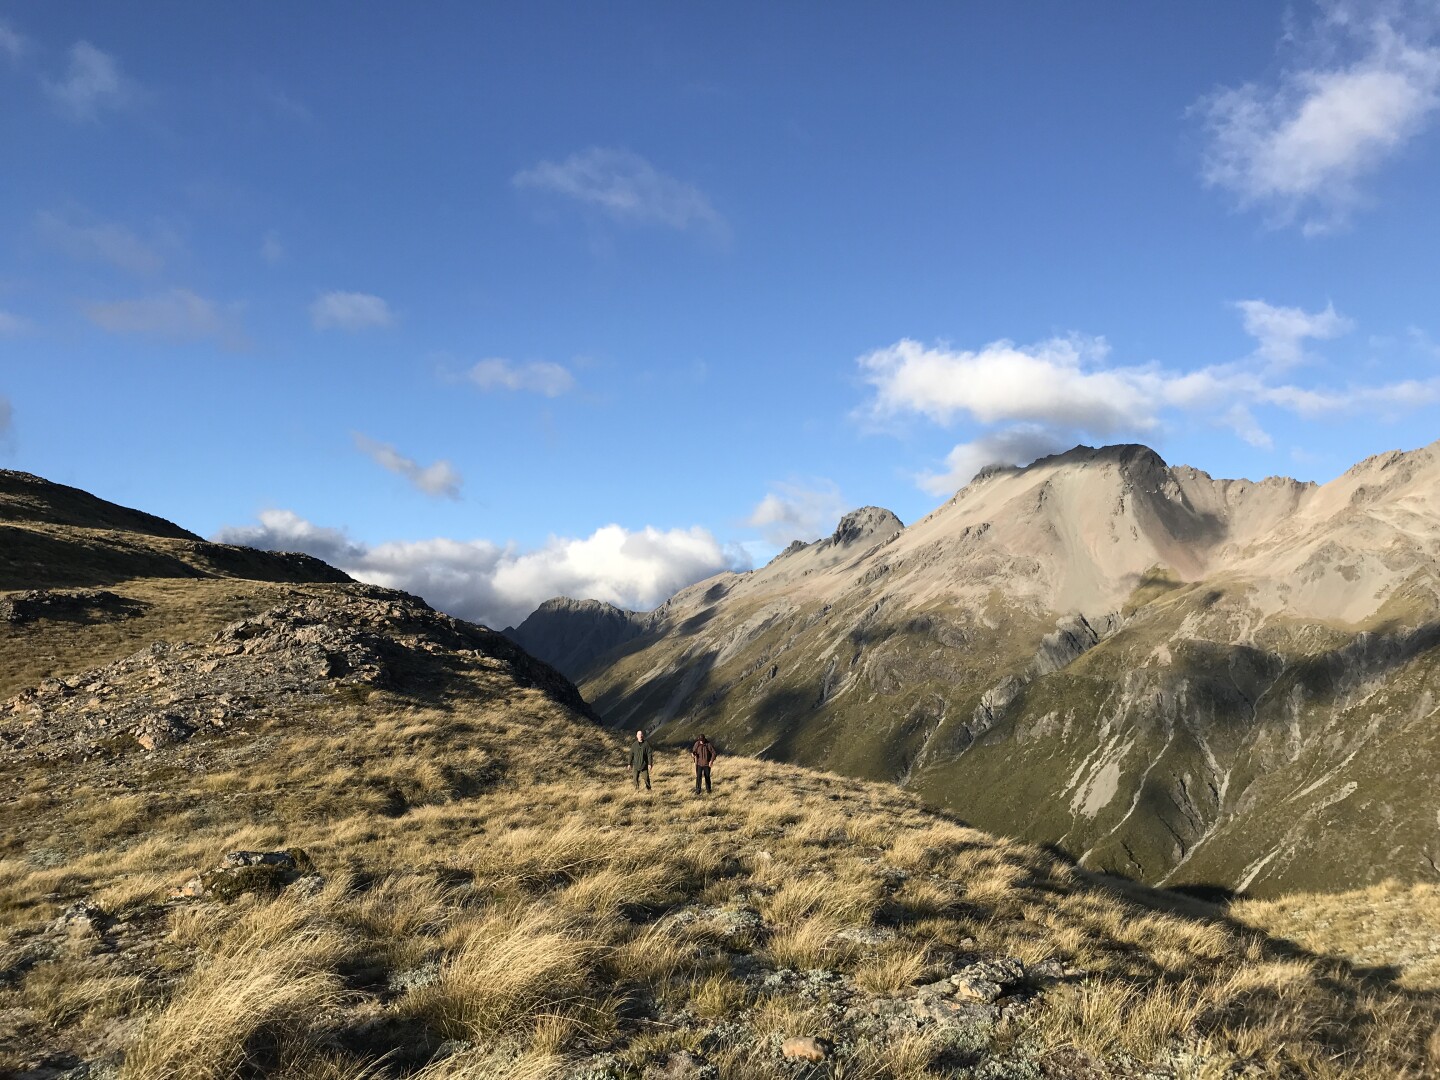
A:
x,y
497,302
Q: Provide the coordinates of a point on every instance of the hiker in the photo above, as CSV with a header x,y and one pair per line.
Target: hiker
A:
x,y
641,759
704,754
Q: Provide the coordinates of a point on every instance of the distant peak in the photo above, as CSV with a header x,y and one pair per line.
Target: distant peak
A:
x,y
1119,453
567,603
868,521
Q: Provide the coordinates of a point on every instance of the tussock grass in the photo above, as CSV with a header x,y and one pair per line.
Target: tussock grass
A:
x,y
508,972
551,914
891,971
231,1012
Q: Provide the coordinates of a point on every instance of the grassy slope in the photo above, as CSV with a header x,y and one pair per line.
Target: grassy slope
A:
x,y
539,910
490,879
1209,744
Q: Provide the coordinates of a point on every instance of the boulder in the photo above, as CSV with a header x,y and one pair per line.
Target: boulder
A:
x,y
989,980
83,917
266,873
161,729
805,1048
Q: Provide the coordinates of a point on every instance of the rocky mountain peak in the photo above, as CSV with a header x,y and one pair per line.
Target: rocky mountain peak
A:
x,y
870,523
569,604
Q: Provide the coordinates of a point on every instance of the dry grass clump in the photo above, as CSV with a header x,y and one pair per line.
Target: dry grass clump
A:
x,y
509,972
237,1009
891,971
490,877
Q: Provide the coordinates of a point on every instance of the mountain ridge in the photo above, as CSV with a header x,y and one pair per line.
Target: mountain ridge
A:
x,y
1148,647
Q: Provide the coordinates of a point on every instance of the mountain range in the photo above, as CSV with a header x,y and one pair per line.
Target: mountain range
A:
x,y
1198,682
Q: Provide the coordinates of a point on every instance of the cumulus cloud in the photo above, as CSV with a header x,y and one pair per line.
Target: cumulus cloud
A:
x,y
176,315
13,44
1282,331
440,478
797,511
92,82
350,311
1059,382
1363,84
500,585
105,242
1041,398
535,376
625,187
285,530
1018,445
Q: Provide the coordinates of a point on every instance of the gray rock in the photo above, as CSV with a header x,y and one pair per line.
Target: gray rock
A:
x,y
83,917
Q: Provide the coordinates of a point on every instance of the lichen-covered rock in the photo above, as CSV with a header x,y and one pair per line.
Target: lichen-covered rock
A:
x,y
83,917
989,980
266,873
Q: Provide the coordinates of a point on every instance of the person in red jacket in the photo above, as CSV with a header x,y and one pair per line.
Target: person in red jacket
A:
x,y
704,754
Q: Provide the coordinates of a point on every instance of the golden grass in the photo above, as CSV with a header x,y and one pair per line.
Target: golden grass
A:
x,y
508,971
278,993
528,918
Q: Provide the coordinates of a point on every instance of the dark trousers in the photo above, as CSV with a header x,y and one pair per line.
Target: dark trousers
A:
x,y
702,772
639,773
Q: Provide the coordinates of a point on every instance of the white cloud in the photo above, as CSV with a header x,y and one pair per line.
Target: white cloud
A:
x,y
1363,88
1242,422
7,417
626,187
176,315
1282,331
101,242
440,478
1058,382
499,586
797,511
13,325
285,530
271,249
1385,399
13,44
1018,445
536,376
92,82
1045,397
350,311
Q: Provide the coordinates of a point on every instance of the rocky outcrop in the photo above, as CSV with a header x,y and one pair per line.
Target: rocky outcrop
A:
x,y
364,637
868,525
264,873
68,605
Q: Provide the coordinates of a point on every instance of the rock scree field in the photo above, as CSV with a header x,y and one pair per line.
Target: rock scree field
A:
x,y
257,820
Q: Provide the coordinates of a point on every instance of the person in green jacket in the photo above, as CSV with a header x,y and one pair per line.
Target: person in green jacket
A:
x,y
641,759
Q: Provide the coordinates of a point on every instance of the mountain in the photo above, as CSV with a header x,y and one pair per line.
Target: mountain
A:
x,y
1213,683
573,633
259,820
